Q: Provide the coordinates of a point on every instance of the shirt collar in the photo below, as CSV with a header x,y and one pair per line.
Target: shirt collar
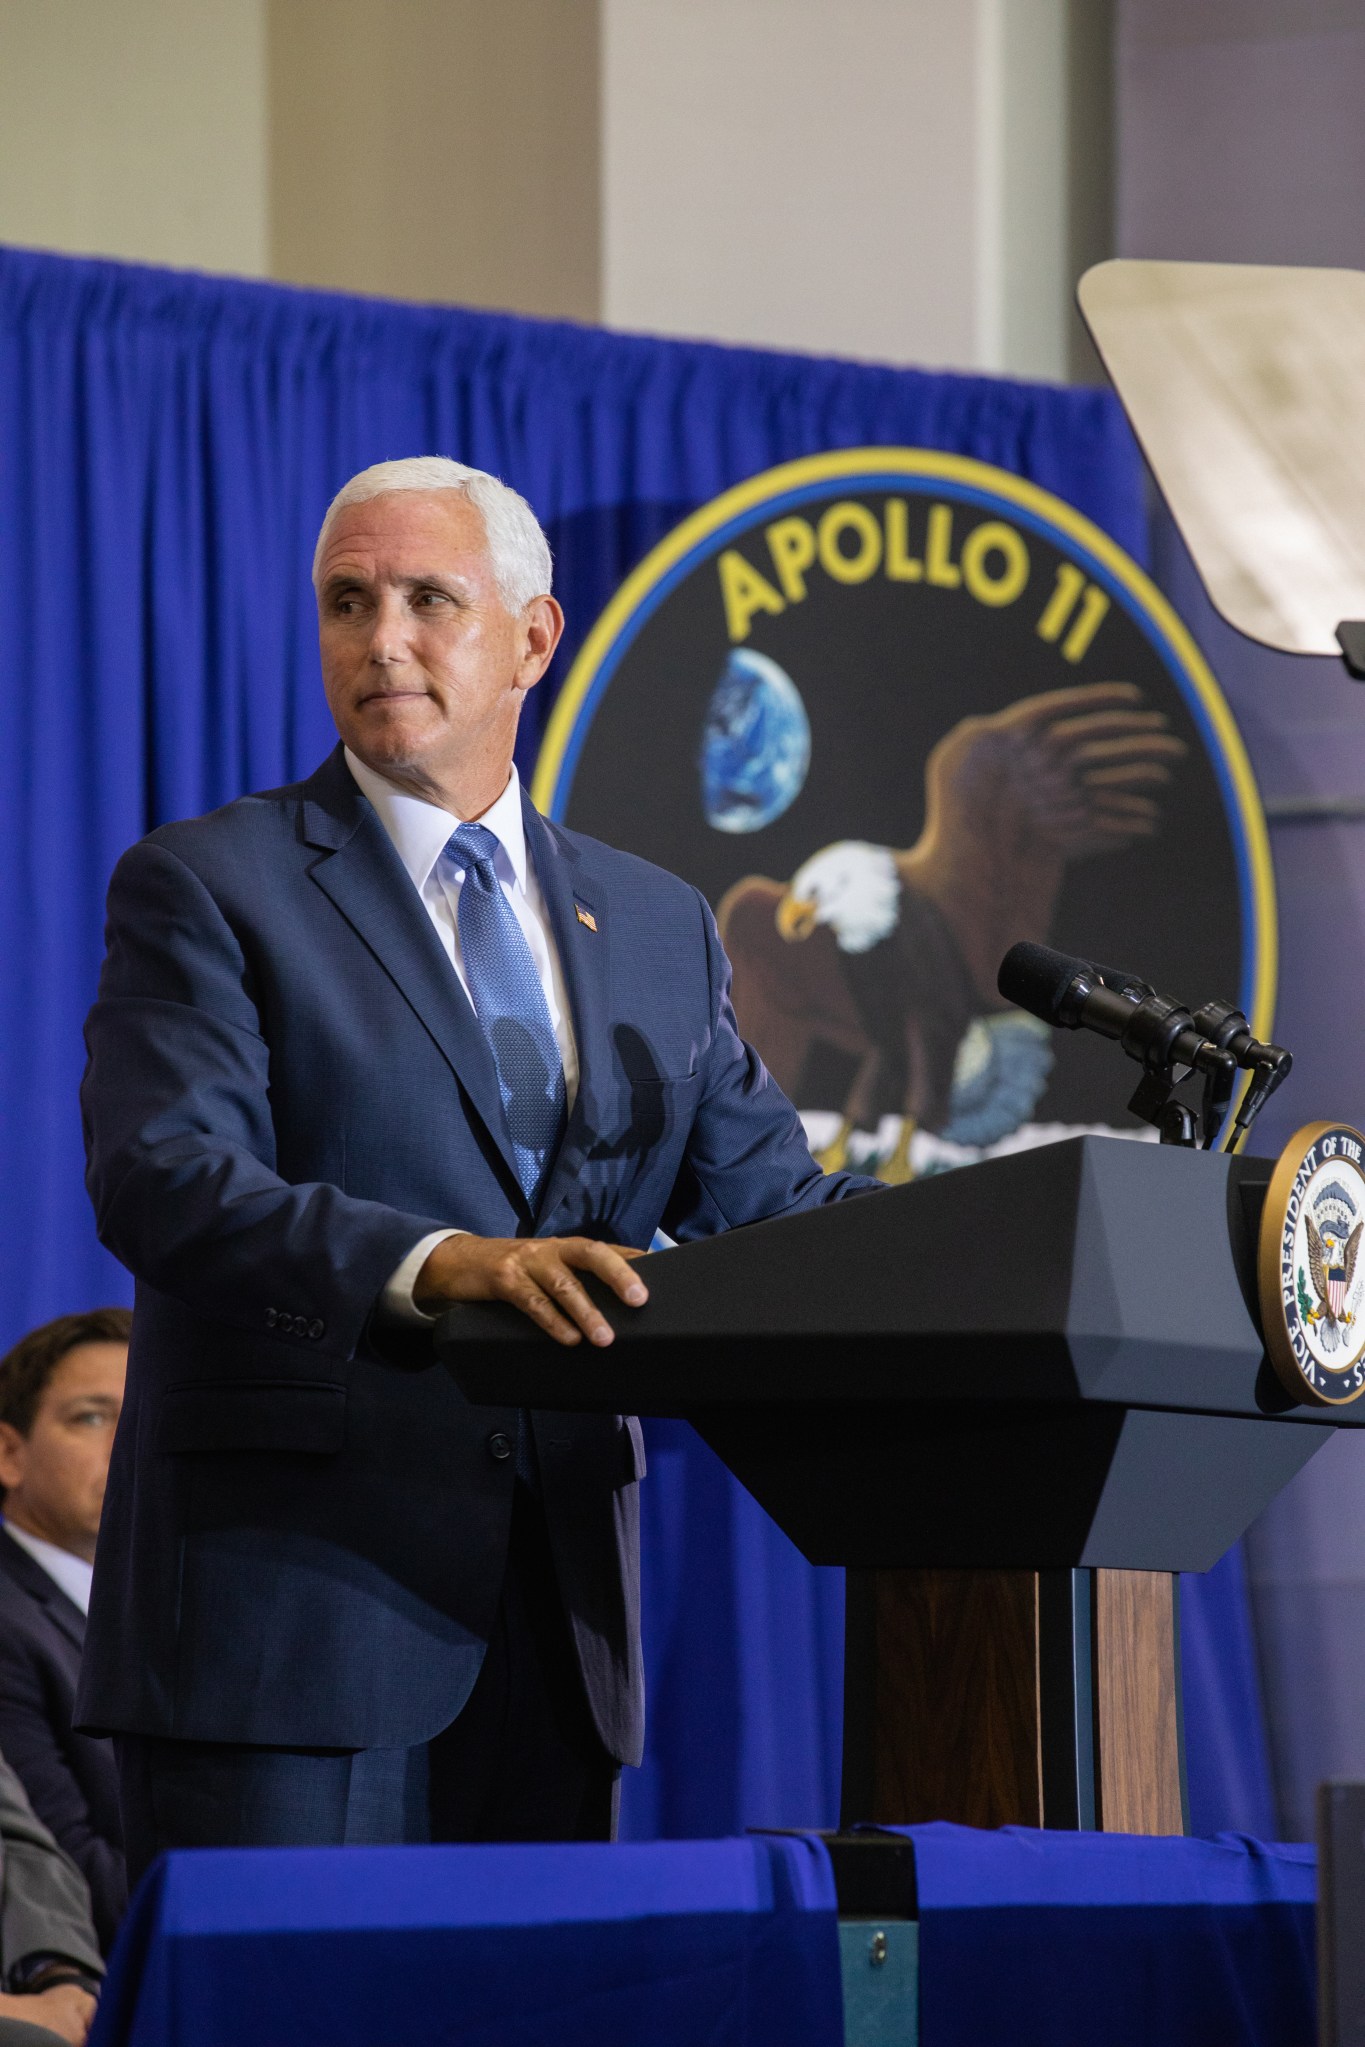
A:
x,y
71,1573
419,830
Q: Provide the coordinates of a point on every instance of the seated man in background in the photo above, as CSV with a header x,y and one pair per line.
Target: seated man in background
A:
x,y
49,1958
61,1389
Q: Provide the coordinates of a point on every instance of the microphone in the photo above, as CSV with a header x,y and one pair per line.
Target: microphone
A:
x,y
1075,994
1268,1064
1122,982
1229,1029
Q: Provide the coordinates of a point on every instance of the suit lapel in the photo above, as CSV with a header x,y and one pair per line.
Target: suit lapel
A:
x,y
363,876
584,947
41,1587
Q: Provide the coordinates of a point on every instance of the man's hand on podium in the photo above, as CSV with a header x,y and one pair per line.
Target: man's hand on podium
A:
x,y
534,1274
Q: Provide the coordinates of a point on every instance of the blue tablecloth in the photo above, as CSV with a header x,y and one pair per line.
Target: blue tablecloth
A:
x,y
1032,1939
668,1944
1026,1939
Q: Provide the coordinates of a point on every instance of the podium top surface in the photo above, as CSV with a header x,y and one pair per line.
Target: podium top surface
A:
x,y
1245,384
1095,1270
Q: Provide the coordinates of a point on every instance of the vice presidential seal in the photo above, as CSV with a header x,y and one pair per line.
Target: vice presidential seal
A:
x,y
1311,1278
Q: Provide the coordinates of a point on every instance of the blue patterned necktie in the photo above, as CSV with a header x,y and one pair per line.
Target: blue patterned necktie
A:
x,y
510,1004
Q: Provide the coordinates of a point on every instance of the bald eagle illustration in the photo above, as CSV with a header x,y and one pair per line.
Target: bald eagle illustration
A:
x,y
890,956
1332,1259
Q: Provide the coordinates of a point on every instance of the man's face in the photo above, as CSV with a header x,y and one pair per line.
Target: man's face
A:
x,y
424,666
54,1476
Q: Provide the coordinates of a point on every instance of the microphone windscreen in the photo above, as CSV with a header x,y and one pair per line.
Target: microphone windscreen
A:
x,y
1035,978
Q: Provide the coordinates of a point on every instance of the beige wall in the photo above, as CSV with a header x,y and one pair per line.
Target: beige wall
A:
x,y
135,128
437,149
428,149
890,179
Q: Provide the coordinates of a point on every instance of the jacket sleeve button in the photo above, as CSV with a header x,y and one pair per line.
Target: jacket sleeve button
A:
x,y
499,1445
271,1318
287,1324
316,1328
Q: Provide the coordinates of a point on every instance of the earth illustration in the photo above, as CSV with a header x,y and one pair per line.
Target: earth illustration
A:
x,y
755,748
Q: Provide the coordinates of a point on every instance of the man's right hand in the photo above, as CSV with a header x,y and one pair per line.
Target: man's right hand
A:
x,y
538,1275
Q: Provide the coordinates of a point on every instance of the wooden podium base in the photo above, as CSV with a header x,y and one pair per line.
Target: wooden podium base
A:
x,y
1014,1698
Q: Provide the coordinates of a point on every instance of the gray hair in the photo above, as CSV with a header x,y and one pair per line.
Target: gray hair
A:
x,y
519,551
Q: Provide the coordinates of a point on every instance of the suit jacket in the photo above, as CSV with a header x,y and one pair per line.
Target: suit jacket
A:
x,y
70,1778
44,1903
305,1526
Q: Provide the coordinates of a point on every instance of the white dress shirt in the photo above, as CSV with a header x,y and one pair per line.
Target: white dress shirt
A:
x,y
419,831
72,1573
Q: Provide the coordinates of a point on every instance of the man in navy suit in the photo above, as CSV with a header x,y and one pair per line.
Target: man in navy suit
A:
x,y
380,1041
61,1388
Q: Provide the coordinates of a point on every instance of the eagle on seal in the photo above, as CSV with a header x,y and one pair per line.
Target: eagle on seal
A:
x,y
890,955
1332,1265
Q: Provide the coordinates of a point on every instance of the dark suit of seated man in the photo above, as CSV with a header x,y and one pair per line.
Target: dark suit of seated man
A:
x,y
50,1966
366,1045
61,1389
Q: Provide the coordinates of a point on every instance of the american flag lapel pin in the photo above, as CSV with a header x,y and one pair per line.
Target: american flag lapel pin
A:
x,y
585,916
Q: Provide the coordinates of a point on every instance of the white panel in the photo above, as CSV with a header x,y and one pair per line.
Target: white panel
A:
x,y
793,174
884,178
1035,289
989,223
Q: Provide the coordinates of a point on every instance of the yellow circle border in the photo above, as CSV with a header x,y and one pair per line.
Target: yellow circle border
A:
x,y
1274,1217
927,463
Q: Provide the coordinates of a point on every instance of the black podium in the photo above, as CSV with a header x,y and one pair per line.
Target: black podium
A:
x,y
1013,1401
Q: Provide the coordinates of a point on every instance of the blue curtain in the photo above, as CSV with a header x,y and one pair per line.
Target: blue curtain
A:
x,y
168,445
